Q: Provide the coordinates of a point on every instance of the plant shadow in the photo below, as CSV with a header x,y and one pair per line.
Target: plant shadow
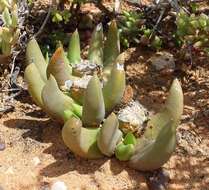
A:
x,y
43,130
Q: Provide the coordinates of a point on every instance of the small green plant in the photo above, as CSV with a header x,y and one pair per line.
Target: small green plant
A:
x,y
133,31
61,16
9,32
83,94
130,28
193,30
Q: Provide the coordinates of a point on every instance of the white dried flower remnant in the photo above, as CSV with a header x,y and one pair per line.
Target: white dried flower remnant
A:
x,y
86,67
68,84
132,117
82,82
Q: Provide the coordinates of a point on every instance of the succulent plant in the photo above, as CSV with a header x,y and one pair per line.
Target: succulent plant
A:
x,y
9,31
193,30
92,127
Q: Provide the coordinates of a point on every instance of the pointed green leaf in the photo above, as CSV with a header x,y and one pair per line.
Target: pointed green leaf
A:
x,y
6,35
93,103
129,139
80,140
114,88
14,16
159,139
56,102
6,17
120,60
35,83
74,52
174,102
59,68
95,53
4,3
112,44
173,109
154,153
124,152
68,114
6,48
34,55
109,135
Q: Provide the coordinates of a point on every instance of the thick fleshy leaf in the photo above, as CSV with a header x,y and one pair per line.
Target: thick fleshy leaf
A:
x,y
159,138
129,139
174,102
68,114
124,152
6,17
6,34
35,83
109,135
34,55
107,69
77,94
95,53
125,149
173,109
154,153
15,16
81,141
59,68
6,48
5,3
114,88
74,52
93,103
112,44
56,102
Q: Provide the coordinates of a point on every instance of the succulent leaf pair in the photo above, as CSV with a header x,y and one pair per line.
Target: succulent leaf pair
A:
x,y
81,140
43,86
99,53
159,140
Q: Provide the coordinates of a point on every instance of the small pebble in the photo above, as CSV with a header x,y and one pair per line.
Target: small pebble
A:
x,y
36,161
10,170
59,185
2,146
158,180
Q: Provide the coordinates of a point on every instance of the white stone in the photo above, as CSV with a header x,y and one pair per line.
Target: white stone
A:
x,y
82,82
36,161
10,170
59,185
